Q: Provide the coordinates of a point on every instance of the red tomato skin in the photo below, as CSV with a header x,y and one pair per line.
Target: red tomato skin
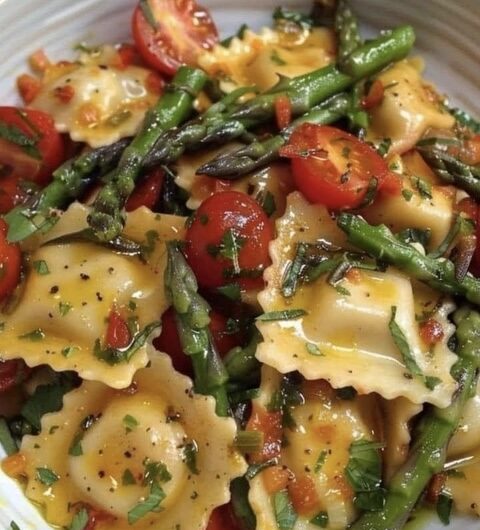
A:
x,y
185,30
222,518
147,192
10,263
51,144
315,174
118,335
11,193
169,341
228,210
11,373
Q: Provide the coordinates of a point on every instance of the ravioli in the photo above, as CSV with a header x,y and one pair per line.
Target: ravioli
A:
x,y
314,454
421,205
409,108
107,103
344,335
259,59
60,318
109,449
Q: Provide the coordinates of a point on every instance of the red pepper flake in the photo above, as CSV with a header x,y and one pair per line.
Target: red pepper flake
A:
x,y
64,93
375,95
283,111
118,335
435,487
431,332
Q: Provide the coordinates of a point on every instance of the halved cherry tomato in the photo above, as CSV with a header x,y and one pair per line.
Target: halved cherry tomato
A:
x,y
228,241
11,193
334,168
12,373
177,32
222,518
10,263
147,191
49,144
169,342
118,334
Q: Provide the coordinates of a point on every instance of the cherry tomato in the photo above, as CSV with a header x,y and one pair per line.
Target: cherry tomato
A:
x,y
147,191
118,334
334,168
177,32
228,241
11,193
12,373
49,144
169,342
10,263
222,518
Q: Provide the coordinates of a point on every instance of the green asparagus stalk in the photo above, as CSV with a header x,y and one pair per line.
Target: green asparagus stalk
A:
x,y
396,44
192,318
235,164
69,182
380,243
427,455
304,93
453,171
346,28
173,107
241,363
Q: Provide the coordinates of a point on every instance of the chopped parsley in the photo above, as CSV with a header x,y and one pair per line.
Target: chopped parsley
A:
x,y
127,478
285,514
36,335
320,461
130,423
364,474
321,520
64,308
41,267
80,520
423,187
46,476
313,349
286,314
444,507
231,291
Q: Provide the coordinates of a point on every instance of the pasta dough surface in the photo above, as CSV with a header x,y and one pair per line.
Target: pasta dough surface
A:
x,y
105,447
61,315
348,328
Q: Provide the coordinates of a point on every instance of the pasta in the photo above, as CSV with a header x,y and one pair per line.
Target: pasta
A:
x,y
106,103
158,422
63,308
342,355
239,280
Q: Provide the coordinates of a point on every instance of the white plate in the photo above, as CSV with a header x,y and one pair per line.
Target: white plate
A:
x,y
447,38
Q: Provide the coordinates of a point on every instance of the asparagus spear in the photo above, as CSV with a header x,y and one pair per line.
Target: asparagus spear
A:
x,y
241,363
304,93
427,455
380,243
69,182
192,317
258,154
452,170
346,28
173,107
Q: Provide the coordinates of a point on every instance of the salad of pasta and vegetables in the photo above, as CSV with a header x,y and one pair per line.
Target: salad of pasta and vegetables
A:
x,y
239,280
